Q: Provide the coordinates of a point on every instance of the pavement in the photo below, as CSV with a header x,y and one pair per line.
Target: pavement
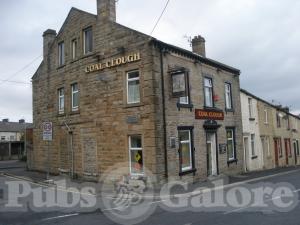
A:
x,y
160,212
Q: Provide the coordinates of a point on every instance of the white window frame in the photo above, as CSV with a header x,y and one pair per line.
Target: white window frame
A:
x,y
228,96
135,149
250,107
190,167
74,108
233,142
61,53
266,116
85,52
252,144
74,49
61,99
127,86
184,100
210,88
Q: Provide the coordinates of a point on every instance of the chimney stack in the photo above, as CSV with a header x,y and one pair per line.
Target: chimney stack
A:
x,y
5,120
106,10
21,121
198,45
49,36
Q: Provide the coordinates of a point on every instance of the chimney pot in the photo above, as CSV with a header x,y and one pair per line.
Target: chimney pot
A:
x,y
106,10
198,45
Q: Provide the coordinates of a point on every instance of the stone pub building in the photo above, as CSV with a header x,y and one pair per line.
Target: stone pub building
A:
x,y
117,95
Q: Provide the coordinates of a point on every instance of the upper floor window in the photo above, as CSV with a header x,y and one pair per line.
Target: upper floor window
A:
x,y
61,100
61,53
133,87
74,49
266,116
2,138
228,96
184,100
208,92
250,106
75,97
12,138
88,40
278,119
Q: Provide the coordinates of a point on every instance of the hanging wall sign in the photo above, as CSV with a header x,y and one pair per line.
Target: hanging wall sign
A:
x,y
205,114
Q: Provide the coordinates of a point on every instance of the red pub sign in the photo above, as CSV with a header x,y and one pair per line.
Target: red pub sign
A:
x,y
204,114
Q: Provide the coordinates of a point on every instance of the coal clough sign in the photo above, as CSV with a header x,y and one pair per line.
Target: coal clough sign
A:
x,y
203,114
114,62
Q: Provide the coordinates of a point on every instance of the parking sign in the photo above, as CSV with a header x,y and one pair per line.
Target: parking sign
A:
x,y
47,131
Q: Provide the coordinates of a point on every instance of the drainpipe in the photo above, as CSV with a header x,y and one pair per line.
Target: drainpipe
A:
x,y
71,149
164,111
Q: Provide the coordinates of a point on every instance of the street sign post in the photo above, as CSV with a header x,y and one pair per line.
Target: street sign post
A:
x,y
48,136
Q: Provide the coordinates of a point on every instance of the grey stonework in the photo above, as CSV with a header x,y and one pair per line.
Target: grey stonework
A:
x,y
100,127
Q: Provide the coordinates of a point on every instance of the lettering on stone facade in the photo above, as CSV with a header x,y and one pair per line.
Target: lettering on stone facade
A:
x,y
114,62
202,114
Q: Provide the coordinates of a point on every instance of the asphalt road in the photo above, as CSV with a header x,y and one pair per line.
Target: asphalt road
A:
x,y
185,215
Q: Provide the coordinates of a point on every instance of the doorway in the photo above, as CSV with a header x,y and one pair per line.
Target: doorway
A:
x,y
246,153
212,154
277,149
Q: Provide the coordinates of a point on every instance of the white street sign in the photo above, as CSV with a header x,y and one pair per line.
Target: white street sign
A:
x,y
47,131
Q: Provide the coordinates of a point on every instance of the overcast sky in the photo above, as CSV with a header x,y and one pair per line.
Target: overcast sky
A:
x,y
259,37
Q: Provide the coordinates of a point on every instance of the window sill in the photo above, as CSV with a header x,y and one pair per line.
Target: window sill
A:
x,y
133,105
252,119
187,172
229,110
254,157
186,106
62,114
61,66
86,55
75,112
232,161
213,109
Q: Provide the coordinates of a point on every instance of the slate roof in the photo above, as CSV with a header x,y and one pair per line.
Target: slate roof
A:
x,y
13,126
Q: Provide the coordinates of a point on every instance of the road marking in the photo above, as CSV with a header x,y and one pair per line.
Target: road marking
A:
x,y
60,217
247,207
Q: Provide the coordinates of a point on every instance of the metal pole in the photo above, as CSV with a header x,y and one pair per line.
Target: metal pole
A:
x,y
48,169
25,142
72,154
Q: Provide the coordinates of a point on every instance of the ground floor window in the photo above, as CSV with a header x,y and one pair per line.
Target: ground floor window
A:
x,y
186,155
296,147
253,144
279,147
230,136
266,145
288,147
136,154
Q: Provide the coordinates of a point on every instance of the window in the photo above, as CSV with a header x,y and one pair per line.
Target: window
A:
x,y
230,135
179,85
12,138
2,138
253,144
133,87
266,145
184,100
288,122
278,119
136,155
266,116
228,96
75,97
74,48
288,146
61,100
88,40
208,92
279,147
61,53
250,105
185,147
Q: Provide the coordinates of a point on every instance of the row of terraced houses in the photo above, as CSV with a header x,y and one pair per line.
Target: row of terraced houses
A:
x,y
116,95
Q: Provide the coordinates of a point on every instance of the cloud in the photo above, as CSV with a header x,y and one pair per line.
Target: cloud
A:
x,y
259,37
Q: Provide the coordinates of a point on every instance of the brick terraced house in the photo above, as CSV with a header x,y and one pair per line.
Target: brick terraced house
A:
x,y
116,95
